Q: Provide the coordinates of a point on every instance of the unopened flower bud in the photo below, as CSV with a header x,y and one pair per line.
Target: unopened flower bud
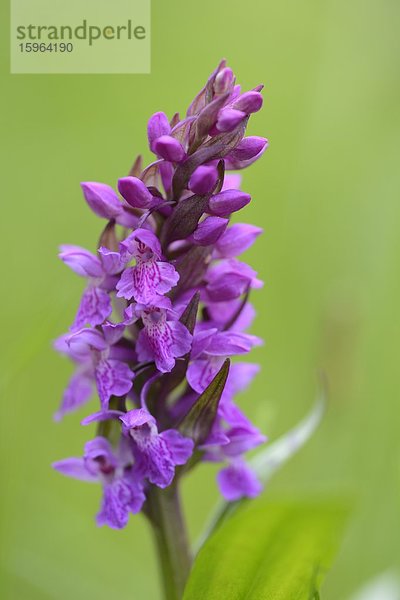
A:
x,y
157,126
249,102
228,119
249,147
203,179
135,192
102,199
227,202
223,81
209,230
169,149
246,152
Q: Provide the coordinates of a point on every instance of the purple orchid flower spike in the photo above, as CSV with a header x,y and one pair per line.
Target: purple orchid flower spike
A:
x,y
122,492
165,309
156,454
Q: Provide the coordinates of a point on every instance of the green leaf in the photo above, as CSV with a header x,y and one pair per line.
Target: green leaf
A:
x,y
268,551
198,421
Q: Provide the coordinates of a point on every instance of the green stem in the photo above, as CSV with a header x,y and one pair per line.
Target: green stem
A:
x,y
169,529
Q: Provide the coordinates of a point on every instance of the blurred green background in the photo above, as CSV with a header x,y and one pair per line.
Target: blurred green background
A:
x,y
326,193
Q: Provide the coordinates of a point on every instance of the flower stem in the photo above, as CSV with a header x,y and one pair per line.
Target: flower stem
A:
x,y
169,529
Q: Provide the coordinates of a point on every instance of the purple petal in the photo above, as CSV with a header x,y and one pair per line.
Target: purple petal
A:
x,y
136,418
99,458
181,339
102,415
241,375
238,481
180,447
201,341
242,438
154,462
228,287
144,349
127,218
94,308
119,499
224,312
169,277
102,199
229,279
156,455
113,332
77,393
146,281
201,372
216,438
236,239
231,182
110,260
126,286
86,340
74,467
227,343
81,261
113,378
140,244
164,340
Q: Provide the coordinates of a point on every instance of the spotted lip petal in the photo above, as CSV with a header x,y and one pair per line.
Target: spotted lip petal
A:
x,y
156,454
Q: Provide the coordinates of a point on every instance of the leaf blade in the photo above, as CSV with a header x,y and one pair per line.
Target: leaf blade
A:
x,y
269,551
